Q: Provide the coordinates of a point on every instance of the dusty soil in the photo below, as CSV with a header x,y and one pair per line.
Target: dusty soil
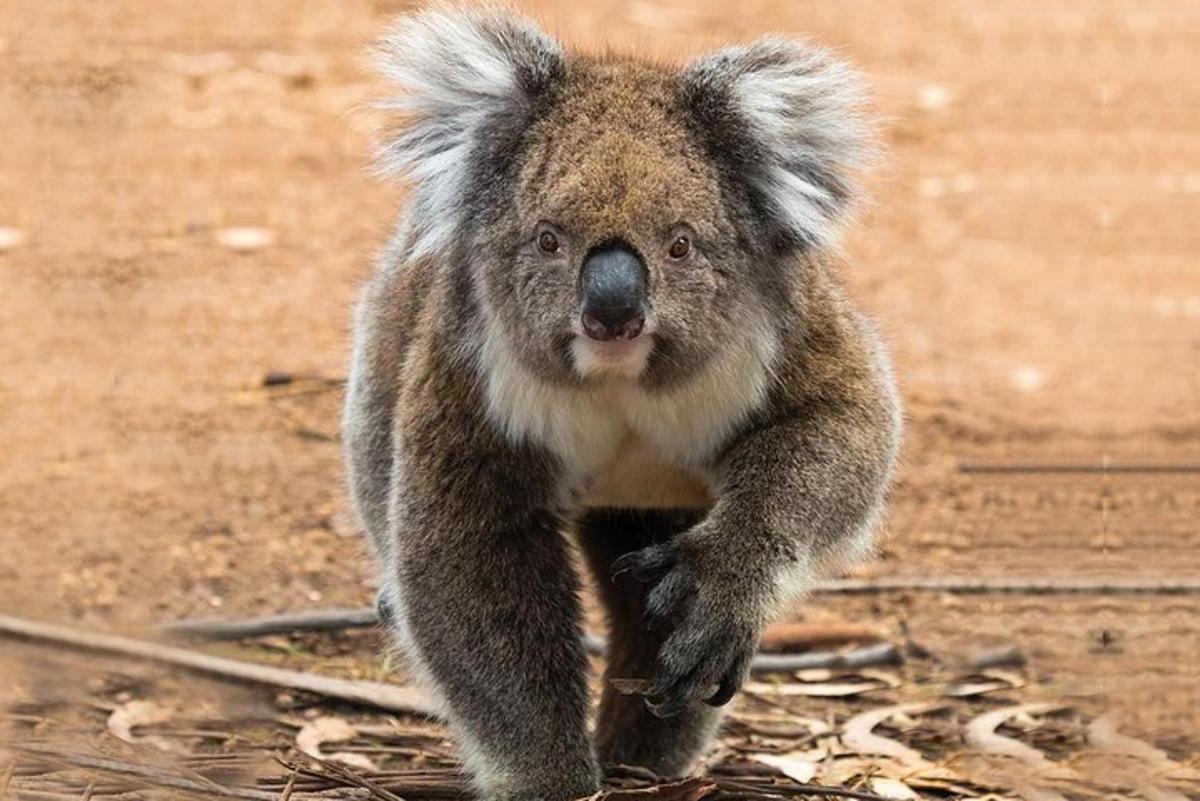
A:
x,y
1031,254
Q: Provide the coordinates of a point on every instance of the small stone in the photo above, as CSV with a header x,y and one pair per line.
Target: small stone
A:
x,y
934,97
245,239
277,378
1028,379
11,238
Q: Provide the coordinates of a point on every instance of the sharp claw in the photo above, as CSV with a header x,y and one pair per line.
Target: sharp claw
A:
x,y
724,693
644,565
729,684
624,564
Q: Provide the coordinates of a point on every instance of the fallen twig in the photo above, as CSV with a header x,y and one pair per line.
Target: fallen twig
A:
x,y
384,696
346,774
1002,656
335,619
309,620
424,782
289,788
361,617
1037,468
883,653
802,636
279,378
200,785
965,585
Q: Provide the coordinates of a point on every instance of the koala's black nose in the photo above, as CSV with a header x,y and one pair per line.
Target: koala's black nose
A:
x,y
614,293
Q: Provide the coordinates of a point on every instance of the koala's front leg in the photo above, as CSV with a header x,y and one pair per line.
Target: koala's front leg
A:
x,y
490,612
793,495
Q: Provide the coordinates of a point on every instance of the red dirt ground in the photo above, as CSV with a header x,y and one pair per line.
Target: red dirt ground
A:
x,y
1032,255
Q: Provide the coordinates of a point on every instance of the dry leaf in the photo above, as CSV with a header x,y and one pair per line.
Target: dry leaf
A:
x,y
981,734
882,676
1102,734
852,769
317,732
791,726
971,689
946,781
823,690
793,765
858,735
125,718
1015,679
892,788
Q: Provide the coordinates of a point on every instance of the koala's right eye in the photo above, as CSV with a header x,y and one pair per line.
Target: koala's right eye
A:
x,y
548,242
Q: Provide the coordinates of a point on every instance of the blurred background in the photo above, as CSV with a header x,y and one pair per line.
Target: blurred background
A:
x,y
186,209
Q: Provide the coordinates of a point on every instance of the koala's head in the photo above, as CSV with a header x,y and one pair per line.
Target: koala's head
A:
x,y
619,217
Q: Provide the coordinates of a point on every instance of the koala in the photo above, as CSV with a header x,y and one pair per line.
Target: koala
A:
x,y
609,318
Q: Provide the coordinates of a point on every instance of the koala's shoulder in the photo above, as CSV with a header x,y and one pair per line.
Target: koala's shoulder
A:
x,y
830,351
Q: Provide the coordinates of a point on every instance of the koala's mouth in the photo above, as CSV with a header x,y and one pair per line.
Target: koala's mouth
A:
x,y
625,358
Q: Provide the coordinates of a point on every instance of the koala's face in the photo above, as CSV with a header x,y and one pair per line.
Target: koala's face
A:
x,y
620,255
620,219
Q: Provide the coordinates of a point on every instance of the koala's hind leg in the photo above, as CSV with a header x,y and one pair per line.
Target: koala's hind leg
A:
x,y
627,733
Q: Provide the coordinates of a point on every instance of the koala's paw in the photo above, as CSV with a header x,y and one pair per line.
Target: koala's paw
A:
x,y
706,657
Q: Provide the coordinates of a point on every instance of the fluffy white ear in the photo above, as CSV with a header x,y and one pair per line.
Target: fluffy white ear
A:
x,y
467,81
790,118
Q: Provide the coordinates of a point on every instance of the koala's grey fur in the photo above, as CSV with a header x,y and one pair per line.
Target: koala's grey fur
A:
x,y
711,467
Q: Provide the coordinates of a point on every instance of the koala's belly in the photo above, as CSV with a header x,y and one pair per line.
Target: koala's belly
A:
x,y
635,478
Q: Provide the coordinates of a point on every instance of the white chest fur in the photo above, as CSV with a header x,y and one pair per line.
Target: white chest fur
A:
x,y
622,445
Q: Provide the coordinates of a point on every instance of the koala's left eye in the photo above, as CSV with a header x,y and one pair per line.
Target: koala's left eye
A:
x,y
548,242
680,248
